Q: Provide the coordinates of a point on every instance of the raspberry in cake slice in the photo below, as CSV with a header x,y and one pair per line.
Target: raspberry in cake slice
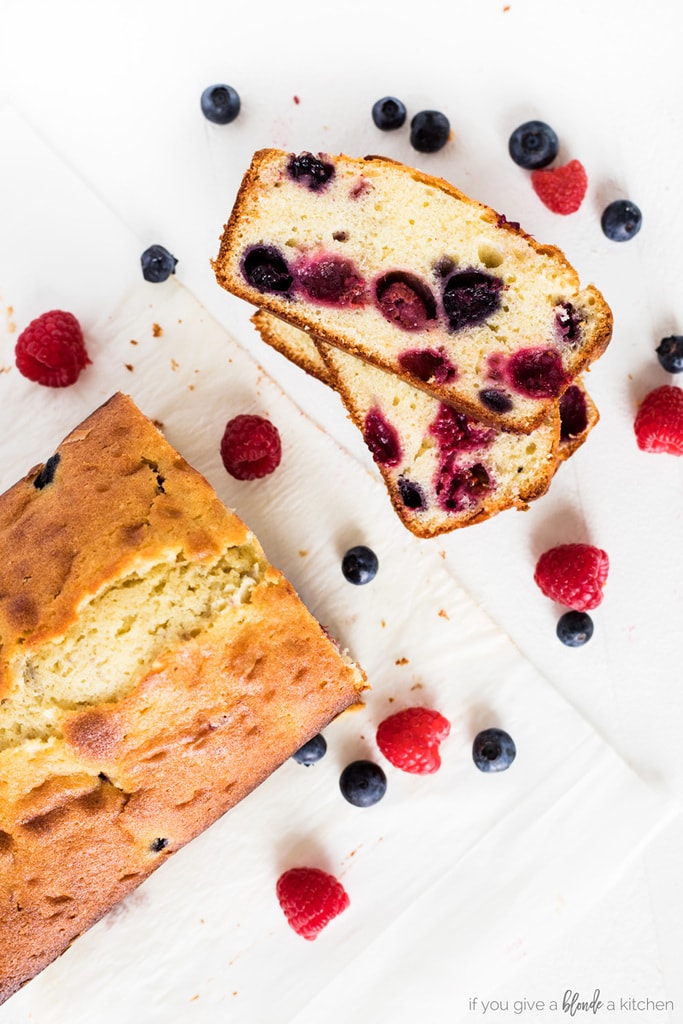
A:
x,y
442,469
406,272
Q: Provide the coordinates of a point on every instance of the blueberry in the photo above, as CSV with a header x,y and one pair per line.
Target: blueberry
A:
x,y
388,114
157,845
363,783
534,144
493,750
47,473
470,297
360,565
310,170
411,493
266,269
575,628
220,104
429,131
621,220
157,264
311,752
496,401
670,353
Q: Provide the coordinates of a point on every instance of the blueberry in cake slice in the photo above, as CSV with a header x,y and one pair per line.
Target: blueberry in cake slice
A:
x,y
406,272
442,469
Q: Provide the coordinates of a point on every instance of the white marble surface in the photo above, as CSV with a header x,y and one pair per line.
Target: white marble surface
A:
x,y
115,97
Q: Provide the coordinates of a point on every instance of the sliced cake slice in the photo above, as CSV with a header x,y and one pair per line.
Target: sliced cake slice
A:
x,y
442,470
406,272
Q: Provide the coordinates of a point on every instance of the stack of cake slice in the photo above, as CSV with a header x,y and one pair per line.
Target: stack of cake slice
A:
x,y
454,339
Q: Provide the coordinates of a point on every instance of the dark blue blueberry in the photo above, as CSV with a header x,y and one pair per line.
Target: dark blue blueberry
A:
x,y
534,144
47,473
493,750
363,783
313,172
411,493
621,220
220,104
670,353
389,114
470,297
575,628
430,130
157,264
266,269
157,845
360,565
311,752
496,401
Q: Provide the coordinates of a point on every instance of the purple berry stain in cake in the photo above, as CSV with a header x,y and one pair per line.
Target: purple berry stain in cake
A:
x,y
265,268
457,483
573,413
360,188
309,170
537,372
382,439
331,280
405,300
428,364
470,297
568,322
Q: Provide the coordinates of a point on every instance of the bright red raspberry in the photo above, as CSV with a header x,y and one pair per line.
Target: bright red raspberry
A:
x,y
573,575
561,189
410,739
310,899
659,421
51,350
250,447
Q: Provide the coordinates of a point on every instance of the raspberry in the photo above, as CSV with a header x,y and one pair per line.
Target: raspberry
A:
x,y
310,899
250,447
573,575
659,421
410,739
51,350
561,189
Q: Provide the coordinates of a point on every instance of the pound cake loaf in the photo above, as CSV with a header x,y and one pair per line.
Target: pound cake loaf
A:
x,y
442,470
406,272
155,668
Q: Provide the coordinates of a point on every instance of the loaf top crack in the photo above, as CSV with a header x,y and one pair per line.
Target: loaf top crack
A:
x,y
405,271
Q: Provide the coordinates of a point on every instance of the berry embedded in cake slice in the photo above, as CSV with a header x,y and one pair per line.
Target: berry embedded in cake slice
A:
x,y
442,469
403,270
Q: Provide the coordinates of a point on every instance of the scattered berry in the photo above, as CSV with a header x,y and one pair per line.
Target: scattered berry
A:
x,y
430,130
310,899
659,421
573,575
51,350
670,353
534,144
311,752
493,750
389,114
157,264
561,189
250,447
621,220
410,739
220,104
363,783
360,565
575,629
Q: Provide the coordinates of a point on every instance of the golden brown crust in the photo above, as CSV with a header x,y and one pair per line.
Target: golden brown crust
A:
x,y
88,811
